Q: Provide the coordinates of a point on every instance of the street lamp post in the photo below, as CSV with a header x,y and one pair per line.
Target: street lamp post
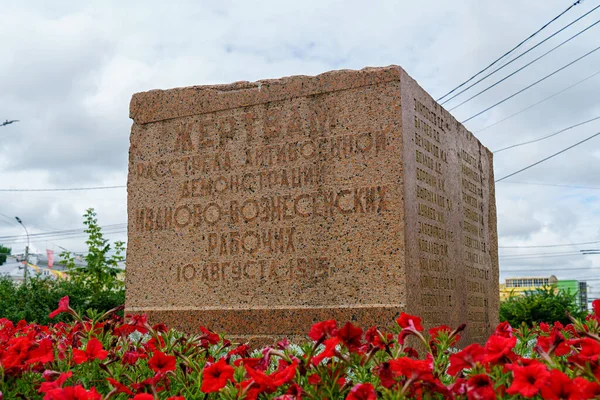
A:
x,y
25,272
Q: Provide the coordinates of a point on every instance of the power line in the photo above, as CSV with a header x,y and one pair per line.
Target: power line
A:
x,y
555,185
538,103
548,256
547,158
522,54
548,245
67,231
548,136
64,189
530,86
511,256
511,50
524,66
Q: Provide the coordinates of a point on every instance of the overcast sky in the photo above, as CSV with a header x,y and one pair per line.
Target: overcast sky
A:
x,y
68,70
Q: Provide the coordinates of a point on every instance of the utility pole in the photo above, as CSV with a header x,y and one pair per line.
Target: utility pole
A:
x,y
25,272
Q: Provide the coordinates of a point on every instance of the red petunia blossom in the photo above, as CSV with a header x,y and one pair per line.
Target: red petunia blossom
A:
x,y
544,327
589,351
208,337
362,391
131,357
560,387
119,386
160,362
241,350
216,376
466,358
385,374
314,379
45,387
590,390
409,321
138,322
504,330
329,351
554,344
596,307
480,387
351,336
323,330
176,398
497,348
528,380
63,306
73,393
413,369
143,396
92,351
44,353
270,383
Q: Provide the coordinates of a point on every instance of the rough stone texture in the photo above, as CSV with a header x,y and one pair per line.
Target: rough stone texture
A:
x,y
257,209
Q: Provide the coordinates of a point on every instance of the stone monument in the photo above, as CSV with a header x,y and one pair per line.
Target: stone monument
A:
x,y
259,208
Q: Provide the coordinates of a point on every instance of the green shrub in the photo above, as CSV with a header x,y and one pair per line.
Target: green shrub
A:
x,y
34,300
93,286
543,305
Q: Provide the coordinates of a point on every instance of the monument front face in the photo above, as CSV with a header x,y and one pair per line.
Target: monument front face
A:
x,y
260,208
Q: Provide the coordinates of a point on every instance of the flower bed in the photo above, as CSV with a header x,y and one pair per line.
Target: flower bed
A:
x,y
103,357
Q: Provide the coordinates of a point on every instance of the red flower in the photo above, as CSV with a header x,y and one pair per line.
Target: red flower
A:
x,y
45,387
216,376
362,391
92,351
465,359
131,357
504,329
143,396
554,344
413,369
42,354
498,347
209,337
73,393
385,374
160,362
528,380
589,390
270,383
119,386
328,352
560,387
323,330
480,387
314,379
63,306
596,307
409,321
351,336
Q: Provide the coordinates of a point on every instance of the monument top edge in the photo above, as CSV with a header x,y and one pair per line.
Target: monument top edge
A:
x,y
162,104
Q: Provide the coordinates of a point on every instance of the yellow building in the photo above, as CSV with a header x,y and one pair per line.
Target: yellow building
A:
x,y
518,286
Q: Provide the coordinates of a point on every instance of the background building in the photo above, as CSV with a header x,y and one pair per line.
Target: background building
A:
x,y
519,286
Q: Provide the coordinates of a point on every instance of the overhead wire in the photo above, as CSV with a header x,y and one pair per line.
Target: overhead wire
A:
x,y
555,185
531,85
547,158
521,55
65,189
538,103
524,66
547,136
513,49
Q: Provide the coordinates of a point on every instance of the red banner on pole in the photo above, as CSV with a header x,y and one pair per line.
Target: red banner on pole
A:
x,y
50,257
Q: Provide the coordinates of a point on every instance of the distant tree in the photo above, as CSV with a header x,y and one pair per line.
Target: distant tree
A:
x,y
100,273
4,252
543,305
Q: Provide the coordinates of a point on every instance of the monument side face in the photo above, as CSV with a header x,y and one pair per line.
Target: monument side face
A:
x,y
451,246
257,209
